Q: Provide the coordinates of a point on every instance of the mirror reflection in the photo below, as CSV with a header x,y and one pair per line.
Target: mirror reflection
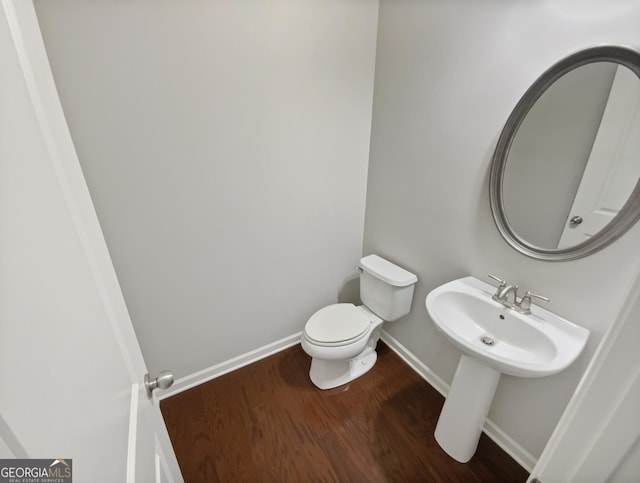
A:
x,y
575,159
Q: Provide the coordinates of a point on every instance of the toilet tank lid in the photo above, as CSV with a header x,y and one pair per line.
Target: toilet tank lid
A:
x,y
387,271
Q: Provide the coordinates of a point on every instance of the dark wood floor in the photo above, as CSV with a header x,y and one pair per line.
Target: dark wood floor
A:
x,y
267,423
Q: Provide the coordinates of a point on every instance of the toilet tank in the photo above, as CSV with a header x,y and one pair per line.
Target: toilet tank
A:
x,y
385,288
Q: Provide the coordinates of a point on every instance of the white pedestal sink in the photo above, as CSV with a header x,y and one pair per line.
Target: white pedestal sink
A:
x,y
494,340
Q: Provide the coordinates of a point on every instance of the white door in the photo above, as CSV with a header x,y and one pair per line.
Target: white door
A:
x,y
612,170
596,439
71,369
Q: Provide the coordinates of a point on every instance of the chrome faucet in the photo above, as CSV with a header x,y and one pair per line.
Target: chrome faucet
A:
x,y
507,295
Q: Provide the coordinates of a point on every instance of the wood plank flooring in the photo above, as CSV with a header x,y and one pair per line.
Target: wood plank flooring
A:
x,y
267,423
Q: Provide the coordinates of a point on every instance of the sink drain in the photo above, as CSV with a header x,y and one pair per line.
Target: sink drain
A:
x,y
486,340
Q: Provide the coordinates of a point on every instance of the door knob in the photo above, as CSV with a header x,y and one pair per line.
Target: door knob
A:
x,y
163,381
575,220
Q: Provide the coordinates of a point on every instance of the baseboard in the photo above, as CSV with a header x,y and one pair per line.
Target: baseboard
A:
x,y
415,363
218,370
513,449
517,452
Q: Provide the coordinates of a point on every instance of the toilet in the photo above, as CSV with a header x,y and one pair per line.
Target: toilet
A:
x,y
341,338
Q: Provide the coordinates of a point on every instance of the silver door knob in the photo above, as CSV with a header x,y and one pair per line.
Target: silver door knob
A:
x,y
163,381
575,220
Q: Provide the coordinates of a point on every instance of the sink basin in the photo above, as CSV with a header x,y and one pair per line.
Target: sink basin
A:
x,y
494,340
534,345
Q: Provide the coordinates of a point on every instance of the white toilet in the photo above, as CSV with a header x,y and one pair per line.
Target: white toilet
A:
x,y
342,338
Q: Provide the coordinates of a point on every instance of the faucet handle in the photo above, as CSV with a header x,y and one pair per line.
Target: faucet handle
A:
x,y
535,295
525,303
503,283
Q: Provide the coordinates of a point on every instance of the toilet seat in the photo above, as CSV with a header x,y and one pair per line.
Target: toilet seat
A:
x,y
337,325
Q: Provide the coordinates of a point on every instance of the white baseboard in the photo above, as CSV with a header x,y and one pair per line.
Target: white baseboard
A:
x,y
218,370
517,452
513,449
415,364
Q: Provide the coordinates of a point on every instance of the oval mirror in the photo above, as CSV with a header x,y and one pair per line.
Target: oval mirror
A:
x,y
565,175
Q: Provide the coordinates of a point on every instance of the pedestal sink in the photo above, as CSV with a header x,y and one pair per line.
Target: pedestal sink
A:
x,y
494,340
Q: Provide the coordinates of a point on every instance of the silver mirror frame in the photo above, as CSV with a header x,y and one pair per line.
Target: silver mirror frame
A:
x,y
629,213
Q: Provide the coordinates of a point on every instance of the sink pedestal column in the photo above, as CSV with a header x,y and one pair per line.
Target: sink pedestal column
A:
x,y
465,409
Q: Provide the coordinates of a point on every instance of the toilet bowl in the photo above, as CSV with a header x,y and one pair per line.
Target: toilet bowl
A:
x,y
341,338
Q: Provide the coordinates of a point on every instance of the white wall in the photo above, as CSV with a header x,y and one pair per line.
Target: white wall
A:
x,y
448,74
225,144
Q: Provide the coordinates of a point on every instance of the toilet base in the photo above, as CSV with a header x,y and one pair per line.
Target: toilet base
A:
x,y
327,374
